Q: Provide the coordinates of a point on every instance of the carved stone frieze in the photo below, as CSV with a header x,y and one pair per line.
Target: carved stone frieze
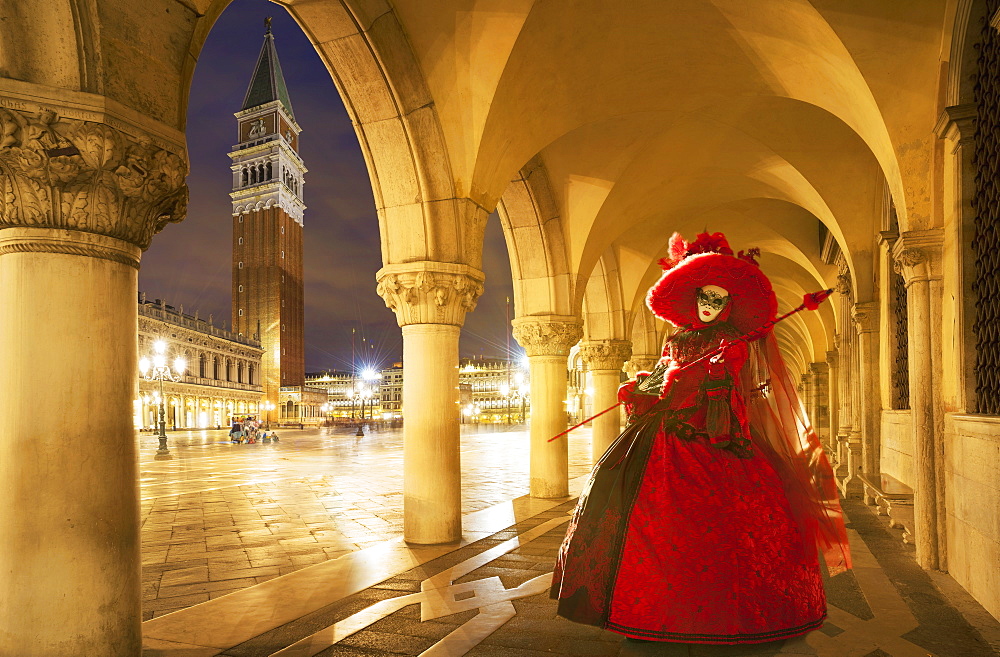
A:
x,y
547,336
86,176
430,292
605,354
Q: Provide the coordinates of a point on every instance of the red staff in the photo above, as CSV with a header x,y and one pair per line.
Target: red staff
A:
x,y
810,301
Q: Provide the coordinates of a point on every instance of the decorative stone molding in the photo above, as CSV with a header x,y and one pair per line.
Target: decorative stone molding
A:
x,y
547,336
957,123
86,176
865,316
605,354
430,292
17,239
818,368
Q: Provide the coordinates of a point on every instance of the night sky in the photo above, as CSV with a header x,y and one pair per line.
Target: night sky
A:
x,y
189,263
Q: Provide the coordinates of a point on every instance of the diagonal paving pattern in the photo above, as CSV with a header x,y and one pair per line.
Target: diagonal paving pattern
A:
x,y
488,594
219,517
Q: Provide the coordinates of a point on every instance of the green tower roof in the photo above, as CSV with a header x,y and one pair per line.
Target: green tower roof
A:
x,y
268,84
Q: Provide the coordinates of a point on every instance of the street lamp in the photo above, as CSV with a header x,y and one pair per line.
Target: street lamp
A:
x,y
155,368
267,406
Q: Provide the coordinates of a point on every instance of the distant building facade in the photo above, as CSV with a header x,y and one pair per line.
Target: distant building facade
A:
x,y
222,379
499,389
391,391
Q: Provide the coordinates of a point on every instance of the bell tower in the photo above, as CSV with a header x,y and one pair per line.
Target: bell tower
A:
x,y
267,225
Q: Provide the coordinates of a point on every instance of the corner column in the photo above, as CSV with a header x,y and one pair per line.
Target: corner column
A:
x,y
81,202
430,300
849,465
917,258
833,402
604,359
547,341
819,409
865,317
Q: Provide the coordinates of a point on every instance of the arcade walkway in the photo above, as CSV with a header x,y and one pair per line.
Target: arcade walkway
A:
x,y
294,549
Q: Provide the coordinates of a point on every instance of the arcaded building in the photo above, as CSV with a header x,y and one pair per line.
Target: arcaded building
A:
x,y
853,142
222,377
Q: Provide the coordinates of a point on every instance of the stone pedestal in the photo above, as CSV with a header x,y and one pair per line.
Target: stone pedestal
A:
x,y
547,341
81,201
604,359
430,300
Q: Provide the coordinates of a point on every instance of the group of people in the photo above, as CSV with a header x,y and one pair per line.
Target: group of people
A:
x,y
248,430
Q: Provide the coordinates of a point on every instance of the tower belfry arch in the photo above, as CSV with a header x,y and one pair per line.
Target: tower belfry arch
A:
x,y
268,209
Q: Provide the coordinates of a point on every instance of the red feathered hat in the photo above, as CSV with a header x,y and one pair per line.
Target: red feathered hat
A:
x,y
710,261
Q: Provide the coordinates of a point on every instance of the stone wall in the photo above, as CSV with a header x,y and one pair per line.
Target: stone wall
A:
x,y
972,460
897,446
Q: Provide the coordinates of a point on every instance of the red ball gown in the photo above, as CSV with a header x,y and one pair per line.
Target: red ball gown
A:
x,y
685,531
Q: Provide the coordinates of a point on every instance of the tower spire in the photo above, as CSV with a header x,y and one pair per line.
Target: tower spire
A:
x,y
268,84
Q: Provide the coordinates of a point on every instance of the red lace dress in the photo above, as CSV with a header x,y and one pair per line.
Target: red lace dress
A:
x,y
684,532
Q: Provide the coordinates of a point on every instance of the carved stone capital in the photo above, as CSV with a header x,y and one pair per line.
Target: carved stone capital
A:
x,y
831,358
865,316
917,255
430,292
86,176
547,336
605,354
908,258
641,363
818,368
843,285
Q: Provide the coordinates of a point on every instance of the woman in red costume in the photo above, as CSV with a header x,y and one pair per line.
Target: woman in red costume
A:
x,y
701,523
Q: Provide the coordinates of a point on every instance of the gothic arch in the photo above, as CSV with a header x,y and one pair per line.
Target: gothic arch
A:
x,y
543,283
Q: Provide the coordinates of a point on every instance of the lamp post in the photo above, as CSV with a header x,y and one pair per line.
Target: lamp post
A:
x,y
267,406
327,409
155,368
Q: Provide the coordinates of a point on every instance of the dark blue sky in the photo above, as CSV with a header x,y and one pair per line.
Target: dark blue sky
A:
x,y
189,263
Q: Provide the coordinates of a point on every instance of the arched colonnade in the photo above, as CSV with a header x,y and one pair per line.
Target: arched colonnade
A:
x,y
810,131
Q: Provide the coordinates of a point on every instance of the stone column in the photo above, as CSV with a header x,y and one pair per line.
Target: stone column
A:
x,y
809,395
917,258
430,300
820,416
80,202
850,462
547,341
833,404
865,317
604,359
